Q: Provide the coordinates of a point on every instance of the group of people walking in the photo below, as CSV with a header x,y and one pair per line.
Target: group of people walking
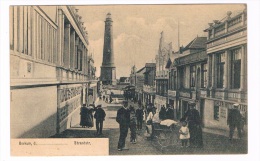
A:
x,y
190,132
86,117
128,117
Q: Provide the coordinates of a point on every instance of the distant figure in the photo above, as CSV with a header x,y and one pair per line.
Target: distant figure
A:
x,y
123,118
169,113
234,121
110,99
149,123
156,118
83,116
192,116
133,121
184,134
100,117
162,113
139,116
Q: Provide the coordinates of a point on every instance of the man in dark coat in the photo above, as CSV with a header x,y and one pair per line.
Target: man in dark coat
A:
x,y
123,118
139,116
162,113
100,117
234,121
169,113
193,118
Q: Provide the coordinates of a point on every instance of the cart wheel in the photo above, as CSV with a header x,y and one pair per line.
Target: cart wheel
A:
x,y
163,139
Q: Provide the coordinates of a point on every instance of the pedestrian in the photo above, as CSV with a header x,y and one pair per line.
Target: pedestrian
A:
x,y
234,121
83,116
133,121
139,116
162,113
192,116
169,114
243,121
156,118
110,99
184,134
100,117
89,119
123,118
149,124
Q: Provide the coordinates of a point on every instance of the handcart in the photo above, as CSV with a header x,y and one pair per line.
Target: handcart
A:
x,y
165,134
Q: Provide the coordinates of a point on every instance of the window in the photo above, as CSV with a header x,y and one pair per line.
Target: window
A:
x,y
216,113
182,80
235,68
79,60
171,80
174,80
192,75
220,70
204,75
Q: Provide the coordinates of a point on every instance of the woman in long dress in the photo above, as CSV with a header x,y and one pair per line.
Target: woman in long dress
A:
x,y
192,116
89,119
83,115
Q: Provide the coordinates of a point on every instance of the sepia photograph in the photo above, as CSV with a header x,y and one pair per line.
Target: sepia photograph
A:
x,y
133,79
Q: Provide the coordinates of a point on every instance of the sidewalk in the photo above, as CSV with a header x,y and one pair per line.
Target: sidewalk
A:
x,y
215,141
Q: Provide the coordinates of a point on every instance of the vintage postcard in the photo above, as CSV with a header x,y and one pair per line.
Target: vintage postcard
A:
x,y
97,80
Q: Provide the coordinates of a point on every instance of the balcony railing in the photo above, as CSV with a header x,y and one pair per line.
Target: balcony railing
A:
x,y
163,74
171,93
229,25
149,89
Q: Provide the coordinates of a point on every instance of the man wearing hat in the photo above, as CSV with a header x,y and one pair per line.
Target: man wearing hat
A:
x,y
100,117
123,118
192,116
234,121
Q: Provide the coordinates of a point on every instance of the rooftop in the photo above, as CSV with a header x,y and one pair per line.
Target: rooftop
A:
x,y
197,43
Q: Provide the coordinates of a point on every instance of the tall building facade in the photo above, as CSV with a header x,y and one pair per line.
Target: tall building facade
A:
x,y
162,73
191,68
48,69
227,69
149,83
108,69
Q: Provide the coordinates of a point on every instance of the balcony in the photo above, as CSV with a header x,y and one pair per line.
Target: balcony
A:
x,y
163,74
231,95
237,96
185,93
224,28
204,93
149,89
172,93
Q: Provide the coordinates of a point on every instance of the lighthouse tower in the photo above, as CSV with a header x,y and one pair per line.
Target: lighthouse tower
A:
x,y
108,69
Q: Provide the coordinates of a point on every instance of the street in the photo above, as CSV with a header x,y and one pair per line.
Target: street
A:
x,y
213,143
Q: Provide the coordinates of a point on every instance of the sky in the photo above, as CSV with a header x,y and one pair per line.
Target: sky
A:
x,y
137,28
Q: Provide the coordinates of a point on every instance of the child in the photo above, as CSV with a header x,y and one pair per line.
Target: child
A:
x,y
184,134
133,121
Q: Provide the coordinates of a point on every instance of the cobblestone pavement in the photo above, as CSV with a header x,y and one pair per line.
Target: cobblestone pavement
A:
x,y
213,143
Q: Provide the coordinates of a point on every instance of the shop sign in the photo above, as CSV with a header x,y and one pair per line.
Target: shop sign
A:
x,y
68,93
223,112
184,94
